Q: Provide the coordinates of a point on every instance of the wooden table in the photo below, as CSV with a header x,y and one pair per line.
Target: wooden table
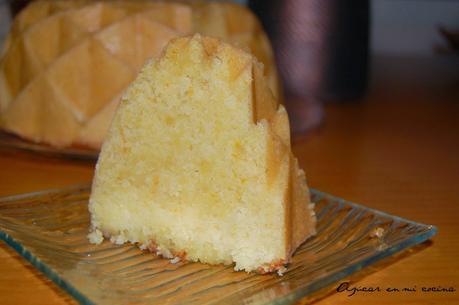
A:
x,y
398,151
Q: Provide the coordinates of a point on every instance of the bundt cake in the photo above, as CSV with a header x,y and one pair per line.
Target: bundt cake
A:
x,y
197,164
65,64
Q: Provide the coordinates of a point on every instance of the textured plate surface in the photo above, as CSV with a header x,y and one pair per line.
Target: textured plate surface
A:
x,y
11,142
49,229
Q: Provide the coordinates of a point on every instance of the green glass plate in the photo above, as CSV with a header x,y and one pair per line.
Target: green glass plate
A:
x,y
49,229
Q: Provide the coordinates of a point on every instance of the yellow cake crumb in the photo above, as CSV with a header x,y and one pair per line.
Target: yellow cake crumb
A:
x,y
197,163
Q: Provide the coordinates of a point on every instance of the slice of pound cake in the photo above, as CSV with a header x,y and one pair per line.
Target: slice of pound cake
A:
x,y
197,164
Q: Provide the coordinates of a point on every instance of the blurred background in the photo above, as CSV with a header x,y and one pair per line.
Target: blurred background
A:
x,y
334,51
331,51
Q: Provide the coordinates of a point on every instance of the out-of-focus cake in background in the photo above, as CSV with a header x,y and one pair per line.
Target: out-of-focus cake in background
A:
x,y
65,64
197,164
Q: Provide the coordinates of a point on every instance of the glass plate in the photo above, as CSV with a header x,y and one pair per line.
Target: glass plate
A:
x,y
49,229
11,142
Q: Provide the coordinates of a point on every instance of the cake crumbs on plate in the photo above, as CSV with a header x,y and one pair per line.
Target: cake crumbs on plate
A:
x,y
377,233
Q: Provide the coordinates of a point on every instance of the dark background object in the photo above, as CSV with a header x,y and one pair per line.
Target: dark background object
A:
x,y
321,50
321,46
17,5
346,76
452,37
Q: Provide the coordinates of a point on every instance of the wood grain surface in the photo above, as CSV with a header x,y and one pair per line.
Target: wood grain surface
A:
x,y
397,150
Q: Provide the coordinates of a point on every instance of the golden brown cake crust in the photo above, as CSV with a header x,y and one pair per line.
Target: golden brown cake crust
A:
x,y
297,207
